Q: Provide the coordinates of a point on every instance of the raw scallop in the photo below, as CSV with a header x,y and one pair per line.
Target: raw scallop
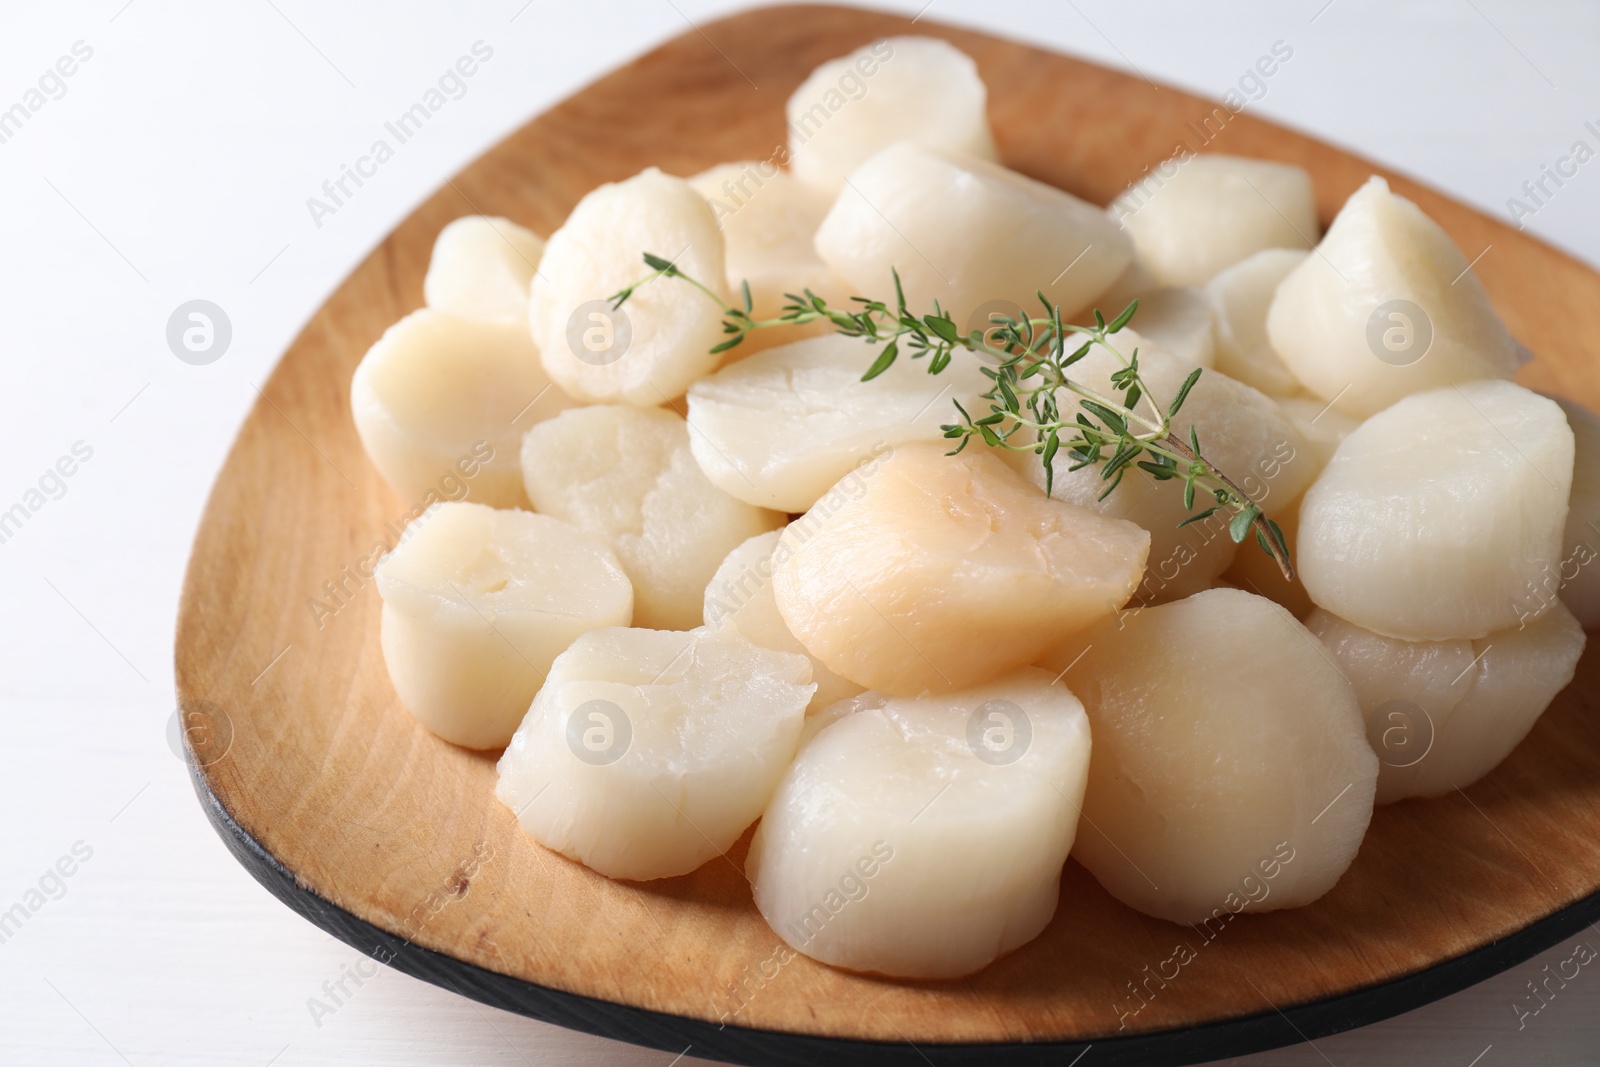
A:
x,y
441,404
648,752
649,350
1241,431
1579,577
739,599
1231,770
939,572
917,89
1386,307
1195,216
1434,518
1240,297
1322,425
924,837
1442,714
969,234
627,474
769,219
1134,282
780,428
482,268
476,605
1177,320
1256,572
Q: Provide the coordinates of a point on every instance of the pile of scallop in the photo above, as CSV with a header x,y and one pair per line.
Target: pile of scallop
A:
x,y
692,592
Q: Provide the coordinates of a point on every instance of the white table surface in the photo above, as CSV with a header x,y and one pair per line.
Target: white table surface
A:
x,y
176,164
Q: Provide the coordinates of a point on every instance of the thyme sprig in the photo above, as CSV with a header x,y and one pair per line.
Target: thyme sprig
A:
x,y
1026,360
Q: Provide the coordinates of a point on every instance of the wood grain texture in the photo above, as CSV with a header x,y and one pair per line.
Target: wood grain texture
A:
x,y
307,749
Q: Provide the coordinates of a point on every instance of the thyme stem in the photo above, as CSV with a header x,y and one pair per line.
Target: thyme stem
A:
x,y
1029,369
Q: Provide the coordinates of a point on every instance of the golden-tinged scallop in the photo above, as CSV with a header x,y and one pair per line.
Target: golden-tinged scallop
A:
x,y
936,572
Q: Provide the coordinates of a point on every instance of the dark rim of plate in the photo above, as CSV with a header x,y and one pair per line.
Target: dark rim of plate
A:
x,y
744,1045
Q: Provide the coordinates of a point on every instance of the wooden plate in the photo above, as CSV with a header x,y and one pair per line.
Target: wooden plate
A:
x,y
391,839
